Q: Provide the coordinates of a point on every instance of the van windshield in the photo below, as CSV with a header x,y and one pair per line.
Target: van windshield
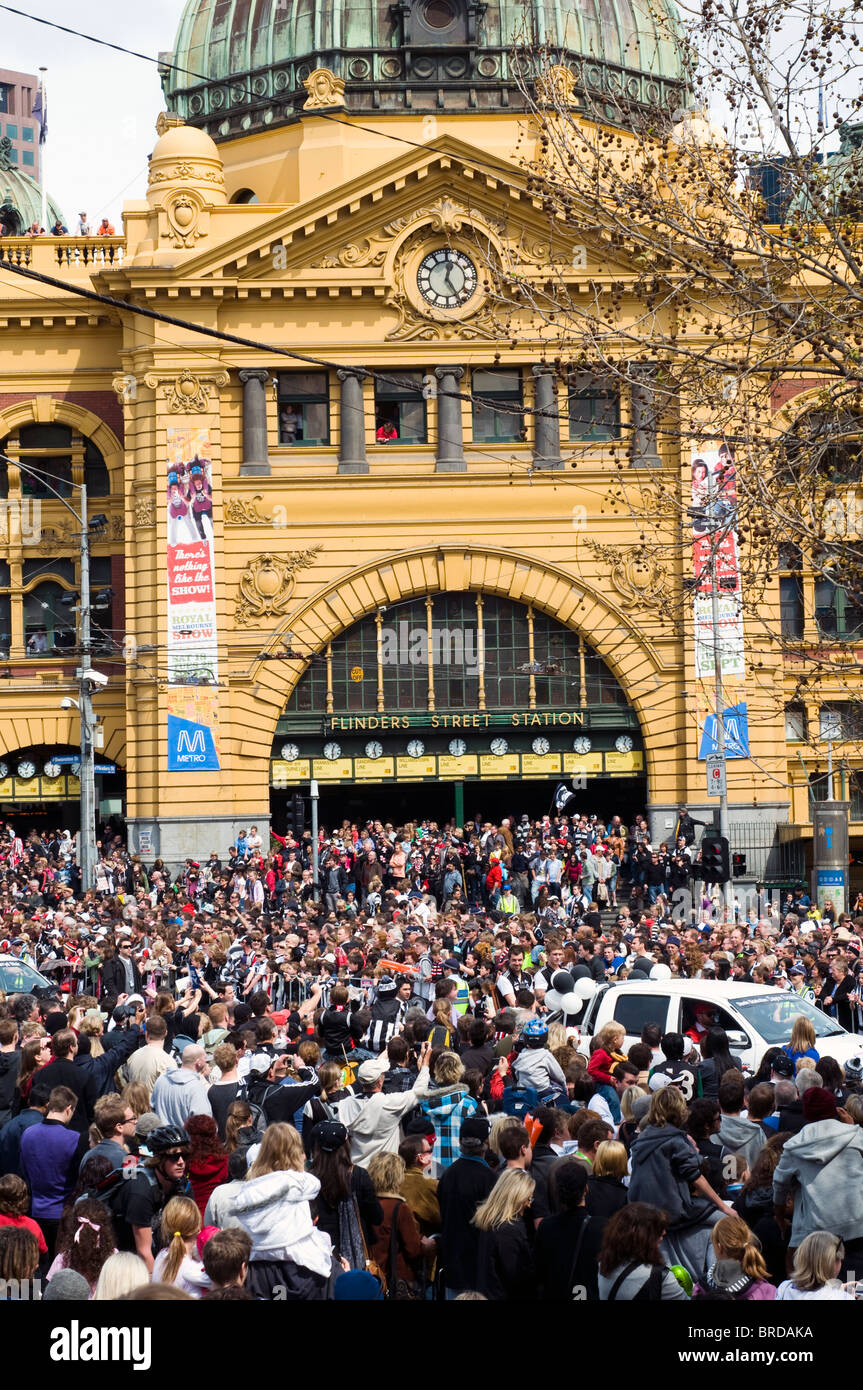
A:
x,y
774,1018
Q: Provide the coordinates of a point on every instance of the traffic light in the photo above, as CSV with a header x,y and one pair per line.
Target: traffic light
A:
x,y
299,814
716,860
738,865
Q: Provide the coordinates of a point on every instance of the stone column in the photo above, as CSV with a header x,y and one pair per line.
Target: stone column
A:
x,y
645,417
352,422
256,449
450,436
546,420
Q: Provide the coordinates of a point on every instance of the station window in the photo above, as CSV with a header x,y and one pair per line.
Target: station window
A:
x,y
304,409
400,409
594,408
840,721
838,609
49,623
795,723
5,96
497,407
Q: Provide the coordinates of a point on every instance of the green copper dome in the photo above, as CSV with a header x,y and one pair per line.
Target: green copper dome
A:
x,y
242,63
21,196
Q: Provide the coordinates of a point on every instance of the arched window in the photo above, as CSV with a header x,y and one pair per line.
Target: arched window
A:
x,y
827,446
49,622
245,195
48,454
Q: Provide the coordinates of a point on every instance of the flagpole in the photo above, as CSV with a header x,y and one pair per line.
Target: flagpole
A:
x,y
43,93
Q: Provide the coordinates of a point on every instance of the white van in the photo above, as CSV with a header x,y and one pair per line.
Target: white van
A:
x,y
755,1017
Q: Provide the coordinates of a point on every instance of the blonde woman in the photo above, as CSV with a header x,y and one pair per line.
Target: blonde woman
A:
x,y
815,1273
273,1206
179,1262
739,1270
121,1274
802,1042
505,1262
402,1260
606,1192
447,1105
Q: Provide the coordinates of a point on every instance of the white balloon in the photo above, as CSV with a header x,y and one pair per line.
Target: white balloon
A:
x,y
553,1000
660,972
572,1004
585,989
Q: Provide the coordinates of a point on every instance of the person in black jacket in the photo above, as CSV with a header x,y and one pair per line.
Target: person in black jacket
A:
x,y
10,1065
87,1076
567,1244
120,971
461,1189
347,1204
506,1268
606,1193
339,1029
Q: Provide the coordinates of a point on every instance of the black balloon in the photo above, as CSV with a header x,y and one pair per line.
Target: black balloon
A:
x,y
562,982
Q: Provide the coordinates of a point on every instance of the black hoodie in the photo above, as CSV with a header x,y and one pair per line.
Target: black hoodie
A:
x,y
10,1065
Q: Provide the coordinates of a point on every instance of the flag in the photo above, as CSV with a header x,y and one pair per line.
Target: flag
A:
x,y
40,111
562,798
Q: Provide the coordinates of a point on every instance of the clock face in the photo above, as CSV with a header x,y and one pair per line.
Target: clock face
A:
x,y
623,744
499,746
374,750
52,770
4,771
540,746
290,752
332,751
582,745
458,748
446,278
26,770
416,748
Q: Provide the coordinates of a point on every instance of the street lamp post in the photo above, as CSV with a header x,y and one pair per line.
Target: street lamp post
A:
x,y
719,694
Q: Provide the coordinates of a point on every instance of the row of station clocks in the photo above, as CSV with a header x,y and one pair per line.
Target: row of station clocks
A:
x,y
457,748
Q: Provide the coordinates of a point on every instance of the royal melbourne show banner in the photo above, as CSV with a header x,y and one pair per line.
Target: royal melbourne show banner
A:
x,y
714,476
193,648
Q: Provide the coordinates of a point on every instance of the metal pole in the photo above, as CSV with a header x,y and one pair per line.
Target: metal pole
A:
x,y
829,769
85,702
316,868
719,703
44,181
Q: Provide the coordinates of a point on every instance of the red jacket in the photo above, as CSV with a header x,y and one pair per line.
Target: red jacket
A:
x,y
205,1175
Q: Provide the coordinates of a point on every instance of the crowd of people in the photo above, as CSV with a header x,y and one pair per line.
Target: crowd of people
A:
x,y
240,1083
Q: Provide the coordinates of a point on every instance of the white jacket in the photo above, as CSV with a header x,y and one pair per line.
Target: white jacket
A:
x,y
275,1211
374,1122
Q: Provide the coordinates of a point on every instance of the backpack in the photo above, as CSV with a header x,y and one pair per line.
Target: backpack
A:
x,y
437,1040
650,1290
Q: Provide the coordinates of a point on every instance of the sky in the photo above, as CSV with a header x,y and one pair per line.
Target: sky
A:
x,y
102,106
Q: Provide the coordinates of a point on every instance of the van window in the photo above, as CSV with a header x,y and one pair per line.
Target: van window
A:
x,y
721,1017
632,1011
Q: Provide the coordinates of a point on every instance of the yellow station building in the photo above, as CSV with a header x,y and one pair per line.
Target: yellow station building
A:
x,y
365,563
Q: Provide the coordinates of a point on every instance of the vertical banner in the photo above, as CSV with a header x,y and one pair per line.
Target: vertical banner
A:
x,y
192,638
714,504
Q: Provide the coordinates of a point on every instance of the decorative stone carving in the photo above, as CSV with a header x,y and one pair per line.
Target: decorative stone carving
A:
x,y
638,577
556,87
242,512
186,393
267,585
145,512
324,89
66,537
370,251
167,120
184,218
126,388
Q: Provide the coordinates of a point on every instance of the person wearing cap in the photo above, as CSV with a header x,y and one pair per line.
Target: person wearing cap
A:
x,y
461,1189
374,1118
821,1169
347,1207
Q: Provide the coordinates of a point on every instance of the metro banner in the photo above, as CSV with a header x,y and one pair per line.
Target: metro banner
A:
x,y
714,503
192,636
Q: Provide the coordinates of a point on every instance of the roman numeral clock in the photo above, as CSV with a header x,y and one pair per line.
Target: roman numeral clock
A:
x,y
447,278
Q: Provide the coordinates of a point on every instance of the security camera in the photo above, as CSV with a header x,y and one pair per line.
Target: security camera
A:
x,y
94,677
67,703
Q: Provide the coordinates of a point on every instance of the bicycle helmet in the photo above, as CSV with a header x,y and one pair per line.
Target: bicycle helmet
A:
x,y
854,1069
535,1028
159,1141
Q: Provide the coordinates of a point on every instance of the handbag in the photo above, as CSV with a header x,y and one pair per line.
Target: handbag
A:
x,y
371,1266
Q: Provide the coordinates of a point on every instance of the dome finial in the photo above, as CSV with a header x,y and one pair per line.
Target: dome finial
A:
x,y
168,120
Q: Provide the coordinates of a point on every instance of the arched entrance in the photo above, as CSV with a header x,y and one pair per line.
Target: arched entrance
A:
x,y
454,703
40,788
